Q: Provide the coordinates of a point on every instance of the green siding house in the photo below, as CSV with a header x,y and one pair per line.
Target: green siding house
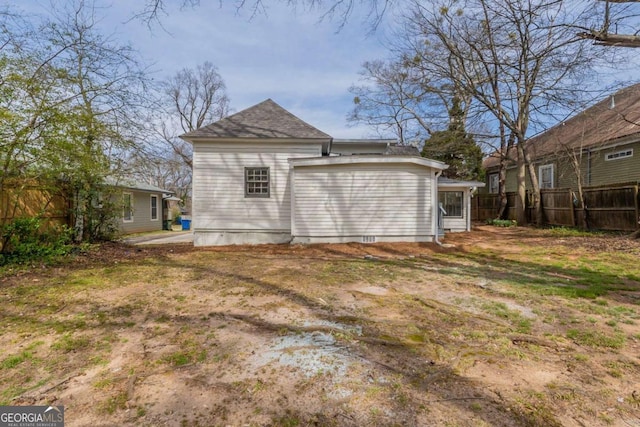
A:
x,y
600,145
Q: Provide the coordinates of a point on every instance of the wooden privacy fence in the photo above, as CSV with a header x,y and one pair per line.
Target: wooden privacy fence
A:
x,y
613,208
33,200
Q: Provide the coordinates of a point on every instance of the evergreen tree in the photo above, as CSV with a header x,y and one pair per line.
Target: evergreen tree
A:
x,y
456,148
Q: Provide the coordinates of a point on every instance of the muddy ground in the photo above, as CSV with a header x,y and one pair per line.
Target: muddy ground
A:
x,y
502,327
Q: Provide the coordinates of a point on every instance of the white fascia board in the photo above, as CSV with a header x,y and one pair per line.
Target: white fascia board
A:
x,y
461,184
199,140
385,142
366,159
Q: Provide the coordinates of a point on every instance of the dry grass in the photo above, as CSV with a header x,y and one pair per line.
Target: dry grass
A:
x,y
509,327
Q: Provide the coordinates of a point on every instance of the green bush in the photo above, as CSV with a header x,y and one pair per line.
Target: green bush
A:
x,y
23,240
502,222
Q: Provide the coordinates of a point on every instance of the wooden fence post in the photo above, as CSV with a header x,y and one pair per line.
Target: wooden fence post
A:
x,y
572,206
637,207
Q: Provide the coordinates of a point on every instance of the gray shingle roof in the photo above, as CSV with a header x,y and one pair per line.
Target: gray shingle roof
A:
x,y
599,124
134,184
264,120
402,150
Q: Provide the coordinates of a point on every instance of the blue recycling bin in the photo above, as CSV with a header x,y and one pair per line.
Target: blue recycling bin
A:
x,y
186,224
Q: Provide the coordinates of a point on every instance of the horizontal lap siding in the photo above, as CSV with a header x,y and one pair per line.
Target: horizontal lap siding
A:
x,y
142,213
605,172
352,200
219,202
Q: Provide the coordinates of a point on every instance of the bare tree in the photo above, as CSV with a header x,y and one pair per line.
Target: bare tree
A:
x,y
614,21
191,99
516,58
391,98
341,10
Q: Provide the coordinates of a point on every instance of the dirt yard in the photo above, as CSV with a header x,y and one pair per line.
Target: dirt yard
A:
x,y
502,327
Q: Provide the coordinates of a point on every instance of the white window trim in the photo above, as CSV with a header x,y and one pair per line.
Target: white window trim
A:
x,y
131,207
247,194
462,209
540,169
151,208
619,155
497,178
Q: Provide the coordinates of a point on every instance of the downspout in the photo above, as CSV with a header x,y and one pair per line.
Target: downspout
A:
x,y
436,212
468,212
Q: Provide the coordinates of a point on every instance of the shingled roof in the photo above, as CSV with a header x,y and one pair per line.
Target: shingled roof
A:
x,y
615,117
264,120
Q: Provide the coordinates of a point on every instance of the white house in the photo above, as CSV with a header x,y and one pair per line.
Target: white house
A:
x,y
264,176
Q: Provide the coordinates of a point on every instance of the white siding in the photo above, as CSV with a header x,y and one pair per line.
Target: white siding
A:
x,y
458,224
345,202
219,203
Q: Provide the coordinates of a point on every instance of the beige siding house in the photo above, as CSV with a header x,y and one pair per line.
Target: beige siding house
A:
x,y
601,145
264,176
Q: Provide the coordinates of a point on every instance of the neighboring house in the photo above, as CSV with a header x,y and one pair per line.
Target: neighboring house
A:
x,y
144,207
264,176
600,144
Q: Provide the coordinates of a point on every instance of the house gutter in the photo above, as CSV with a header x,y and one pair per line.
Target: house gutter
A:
x,y
436,209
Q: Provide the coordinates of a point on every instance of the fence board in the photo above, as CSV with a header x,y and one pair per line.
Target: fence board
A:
x,y
613,208
557,207
30,201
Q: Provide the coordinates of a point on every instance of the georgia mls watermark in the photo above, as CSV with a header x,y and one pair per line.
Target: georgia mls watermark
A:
x,y
31,416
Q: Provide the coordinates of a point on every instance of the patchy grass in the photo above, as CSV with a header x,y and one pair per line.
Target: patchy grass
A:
x,y
596,339
510,327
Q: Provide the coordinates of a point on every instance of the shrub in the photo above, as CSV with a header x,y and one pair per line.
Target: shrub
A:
x,y
24,240
502,222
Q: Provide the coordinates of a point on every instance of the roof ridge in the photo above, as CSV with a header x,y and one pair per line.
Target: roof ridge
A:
x,y
266,119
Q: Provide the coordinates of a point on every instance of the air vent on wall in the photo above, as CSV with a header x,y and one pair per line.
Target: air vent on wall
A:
x,y
368,239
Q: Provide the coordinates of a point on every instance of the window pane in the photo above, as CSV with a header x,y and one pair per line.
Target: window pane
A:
x,y
256,182
546,176
451,202
154,207
127,208
493,183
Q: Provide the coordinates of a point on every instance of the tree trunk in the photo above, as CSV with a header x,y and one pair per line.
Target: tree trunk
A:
x,y
521,198
502,190
78,227
535,186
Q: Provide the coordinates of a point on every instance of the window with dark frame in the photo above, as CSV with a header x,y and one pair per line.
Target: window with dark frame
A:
x,y
619,155
451,203
154,208
256,182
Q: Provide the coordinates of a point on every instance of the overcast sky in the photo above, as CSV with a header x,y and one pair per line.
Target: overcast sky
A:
x,y
288,55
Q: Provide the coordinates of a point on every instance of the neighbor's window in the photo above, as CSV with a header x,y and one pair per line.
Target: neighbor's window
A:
x,y
619,154
127,207
494,183
256,182
545,176
451,203
154,208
